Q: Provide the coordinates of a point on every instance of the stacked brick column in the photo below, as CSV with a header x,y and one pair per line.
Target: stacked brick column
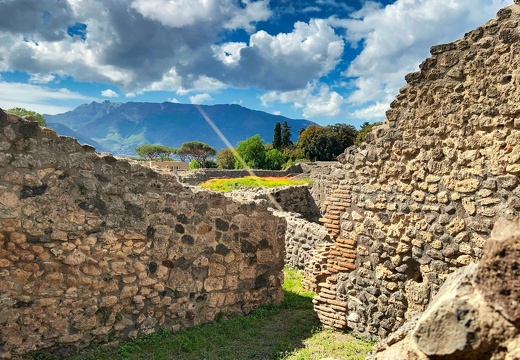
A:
x,y
336,204
330,304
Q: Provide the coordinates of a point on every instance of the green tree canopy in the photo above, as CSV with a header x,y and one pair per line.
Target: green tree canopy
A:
x,y
286,136
194,164
196,150
319,143
210,164
275,159
252,152
327,142
277,136
166,153
226,159
151,151
25,113
182,154
346,134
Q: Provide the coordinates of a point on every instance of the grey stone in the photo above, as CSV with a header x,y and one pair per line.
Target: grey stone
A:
x,y
446,330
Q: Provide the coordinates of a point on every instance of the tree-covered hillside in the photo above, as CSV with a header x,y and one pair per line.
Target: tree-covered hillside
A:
x,y
121,127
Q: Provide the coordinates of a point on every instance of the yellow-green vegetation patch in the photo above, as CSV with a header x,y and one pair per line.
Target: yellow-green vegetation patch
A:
x,y
225,184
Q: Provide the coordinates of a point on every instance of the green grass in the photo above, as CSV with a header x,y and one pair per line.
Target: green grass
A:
x,y
225,185
287,331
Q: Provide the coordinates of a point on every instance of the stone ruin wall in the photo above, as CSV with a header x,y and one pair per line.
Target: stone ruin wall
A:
x,y
117,250
303,239
475,314
304,235
94,248
419,199
290,199
326,176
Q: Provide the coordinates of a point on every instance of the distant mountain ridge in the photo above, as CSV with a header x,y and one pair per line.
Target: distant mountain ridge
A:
x,y
121,127
66,131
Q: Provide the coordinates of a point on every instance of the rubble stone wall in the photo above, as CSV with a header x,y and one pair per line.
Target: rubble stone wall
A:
x,y
475,313
293,199
94,248
428,185
296,205
301,240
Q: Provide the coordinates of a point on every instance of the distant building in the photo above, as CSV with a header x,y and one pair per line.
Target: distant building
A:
x,y
171,165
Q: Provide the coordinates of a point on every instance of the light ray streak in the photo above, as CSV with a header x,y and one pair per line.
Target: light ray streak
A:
x,y
235,153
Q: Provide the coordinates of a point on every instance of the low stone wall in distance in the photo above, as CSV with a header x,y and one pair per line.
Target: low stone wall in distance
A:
x,y
294,199
325,175
96,249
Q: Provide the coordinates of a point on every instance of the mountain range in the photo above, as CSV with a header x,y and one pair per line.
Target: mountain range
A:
x,y
121,127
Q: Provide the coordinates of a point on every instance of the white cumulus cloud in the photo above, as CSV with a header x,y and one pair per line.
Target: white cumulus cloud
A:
x,y
39,98
41,78
315,102
176,13
109,93
325,103
371,113
314,42
282,62
201,98
229,53
253,11
395,39
181,13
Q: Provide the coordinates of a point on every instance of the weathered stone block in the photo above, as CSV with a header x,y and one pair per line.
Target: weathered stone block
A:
x,y
75,258
128,291
467,186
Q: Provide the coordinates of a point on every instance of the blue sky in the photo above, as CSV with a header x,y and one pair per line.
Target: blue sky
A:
x,y
328,61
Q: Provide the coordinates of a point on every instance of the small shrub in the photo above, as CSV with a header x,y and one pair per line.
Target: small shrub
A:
x,y
119,318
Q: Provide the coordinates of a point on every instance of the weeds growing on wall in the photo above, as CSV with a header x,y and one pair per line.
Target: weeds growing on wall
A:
x,y
225,185
288,331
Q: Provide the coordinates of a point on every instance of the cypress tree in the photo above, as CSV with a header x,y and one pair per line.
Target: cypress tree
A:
x,y
277,137
286,135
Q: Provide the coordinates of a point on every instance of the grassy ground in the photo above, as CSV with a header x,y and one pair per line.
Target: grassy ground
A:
x,y
288,331
225,185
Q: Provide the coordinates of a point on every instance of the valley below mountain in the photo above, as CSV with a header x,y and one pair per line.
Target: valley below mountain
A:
x,y
120,127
